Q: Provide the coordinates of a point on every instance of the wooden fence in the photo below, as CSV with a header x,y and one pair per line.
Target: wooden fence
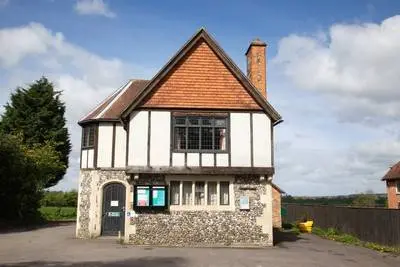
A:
x,y
376,225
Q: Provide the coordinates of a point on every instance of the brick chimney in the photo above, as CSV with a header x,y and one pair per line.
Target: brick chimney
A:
x,y
257,65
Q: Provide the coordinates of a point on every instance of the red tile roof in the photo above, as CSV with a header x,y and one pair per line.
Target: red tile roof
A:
x,y
112,107
393,173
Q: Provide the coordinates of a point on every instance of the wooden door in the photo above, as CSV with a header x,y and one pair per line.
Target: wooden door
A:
x,y
113,217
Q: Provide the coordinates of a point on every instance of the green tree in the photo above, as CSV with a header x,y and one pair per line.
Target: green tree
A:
x,y
364,200
23,174
37,113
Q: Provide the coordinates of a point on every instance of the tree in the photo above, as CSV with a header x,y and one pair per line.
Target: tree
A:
x,y
364,200
37,113
24,171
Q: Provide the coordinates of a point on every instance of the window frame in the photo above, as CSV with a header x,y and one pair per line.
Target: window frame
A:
x,y
207,206
200,126
86,136
398,187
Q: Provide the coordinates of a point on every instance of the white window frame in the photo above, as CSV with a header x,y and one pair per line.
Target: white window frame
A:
x,y
206,179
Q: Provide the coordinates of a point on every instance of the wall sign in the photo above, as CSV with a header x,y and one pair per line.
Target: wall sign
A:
x,y
244,203
114,203
114,214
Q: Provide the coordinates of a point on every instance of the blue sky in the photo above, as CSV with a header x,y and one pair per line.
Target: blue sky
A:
x,y
332,71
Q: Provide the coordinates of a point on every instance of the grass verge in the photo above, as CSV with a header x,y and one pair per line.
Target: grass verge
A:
x,y
335,235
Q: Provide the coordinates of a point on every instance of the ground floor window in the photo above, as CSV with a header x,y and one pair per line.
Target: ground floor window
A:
x,y
199,193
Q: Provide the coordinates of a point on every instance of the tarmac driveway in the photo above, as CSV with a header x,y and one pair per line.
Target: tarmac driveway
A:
x,y
56,246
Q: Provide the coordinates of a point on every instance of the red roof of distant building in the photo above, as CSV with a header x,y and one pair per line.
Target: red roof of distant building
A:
x,y
393,173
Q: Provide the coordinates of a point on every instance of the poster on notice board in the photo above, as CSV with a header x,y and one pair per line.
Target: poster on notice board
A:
x,y
143,196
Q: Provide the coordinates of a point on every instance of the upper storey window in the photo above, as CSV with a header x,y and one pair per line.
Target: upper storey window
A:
x,y
200,133
88,137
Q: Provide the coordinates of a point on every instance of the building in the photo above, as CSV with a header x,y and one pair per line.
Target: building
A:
x,y
185,158
392,179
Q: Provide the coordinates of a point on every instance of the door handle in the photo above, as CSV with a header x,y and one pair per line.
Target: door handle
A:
x,y
123,208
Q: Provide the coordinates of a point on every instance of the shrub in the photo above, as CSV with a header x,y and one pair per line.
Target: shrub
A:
x,y
58,213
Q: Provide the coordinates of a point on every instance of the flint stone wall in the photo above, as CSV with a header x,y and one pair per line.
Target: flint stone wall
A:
x,y
206,228
91,183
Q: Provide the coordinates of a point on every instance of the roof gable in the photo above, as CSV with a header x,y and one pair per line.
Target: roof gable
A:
x,y
203,41
200,80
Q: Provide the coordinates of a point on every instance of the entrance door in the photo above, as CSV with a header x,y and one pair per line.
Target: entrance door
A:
x,y
113,219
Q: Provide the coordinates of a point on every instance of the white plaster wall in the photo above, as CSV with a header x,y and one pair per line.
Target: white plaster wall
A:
x,y
84,159
160,138
261,140
207,160
138,133
90,163
193,159
240,140
120,147
104,148
222,160
178,159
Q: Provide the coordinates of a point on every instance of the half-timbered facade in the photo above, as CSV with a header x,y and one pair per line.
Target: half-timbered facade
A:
x,y
185,158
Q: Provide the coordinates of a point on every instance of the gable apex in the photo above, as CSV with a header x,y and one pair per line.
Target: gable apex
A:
x,y
203,36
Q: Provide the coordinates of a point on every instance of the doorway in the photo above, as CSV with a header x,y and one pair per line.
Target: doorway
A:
x,y
113,213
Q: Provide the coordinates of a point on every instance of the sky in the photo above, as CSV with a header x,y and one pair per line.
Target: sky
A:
x,y
333,72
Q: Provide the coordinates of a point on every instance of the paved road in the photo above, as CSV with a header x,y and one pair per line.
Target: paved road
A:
x,y
56,246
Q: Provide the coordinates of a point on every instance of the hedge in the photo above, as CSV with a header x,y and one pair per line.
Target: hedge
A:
x,y
58,213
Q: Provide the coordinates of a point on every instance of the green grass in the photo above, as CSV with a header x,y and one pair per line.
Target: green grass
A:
x,y
58,213
334,234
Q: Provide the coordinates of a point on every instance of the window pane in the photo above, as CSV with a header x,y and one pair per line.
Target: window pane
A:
x,y
224,193
193,121
199,194
91,136
212,193
220,122
84,137
187,193
220,139
180,120
206,138
206,121
193,137
180,138
174,187
398,187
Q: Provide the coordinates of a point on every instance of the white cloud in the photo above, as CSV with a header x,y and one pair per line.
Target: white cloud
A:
x,y
357,66
93,7
30,51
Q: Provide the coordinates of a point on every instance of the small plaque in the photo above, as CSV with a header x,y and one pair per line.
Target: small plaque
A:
x,y
114,203
244,203
114,214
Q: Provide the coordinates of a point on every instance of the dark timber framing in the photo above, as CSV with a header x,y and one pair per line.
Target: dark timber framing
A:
x,y
268,171
148,137
251,141
96,145
127,142
171,143
113,145
229,147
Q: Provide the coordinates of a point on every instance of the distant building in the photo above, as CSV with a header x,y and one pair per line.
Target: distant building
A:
x,y
392,179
